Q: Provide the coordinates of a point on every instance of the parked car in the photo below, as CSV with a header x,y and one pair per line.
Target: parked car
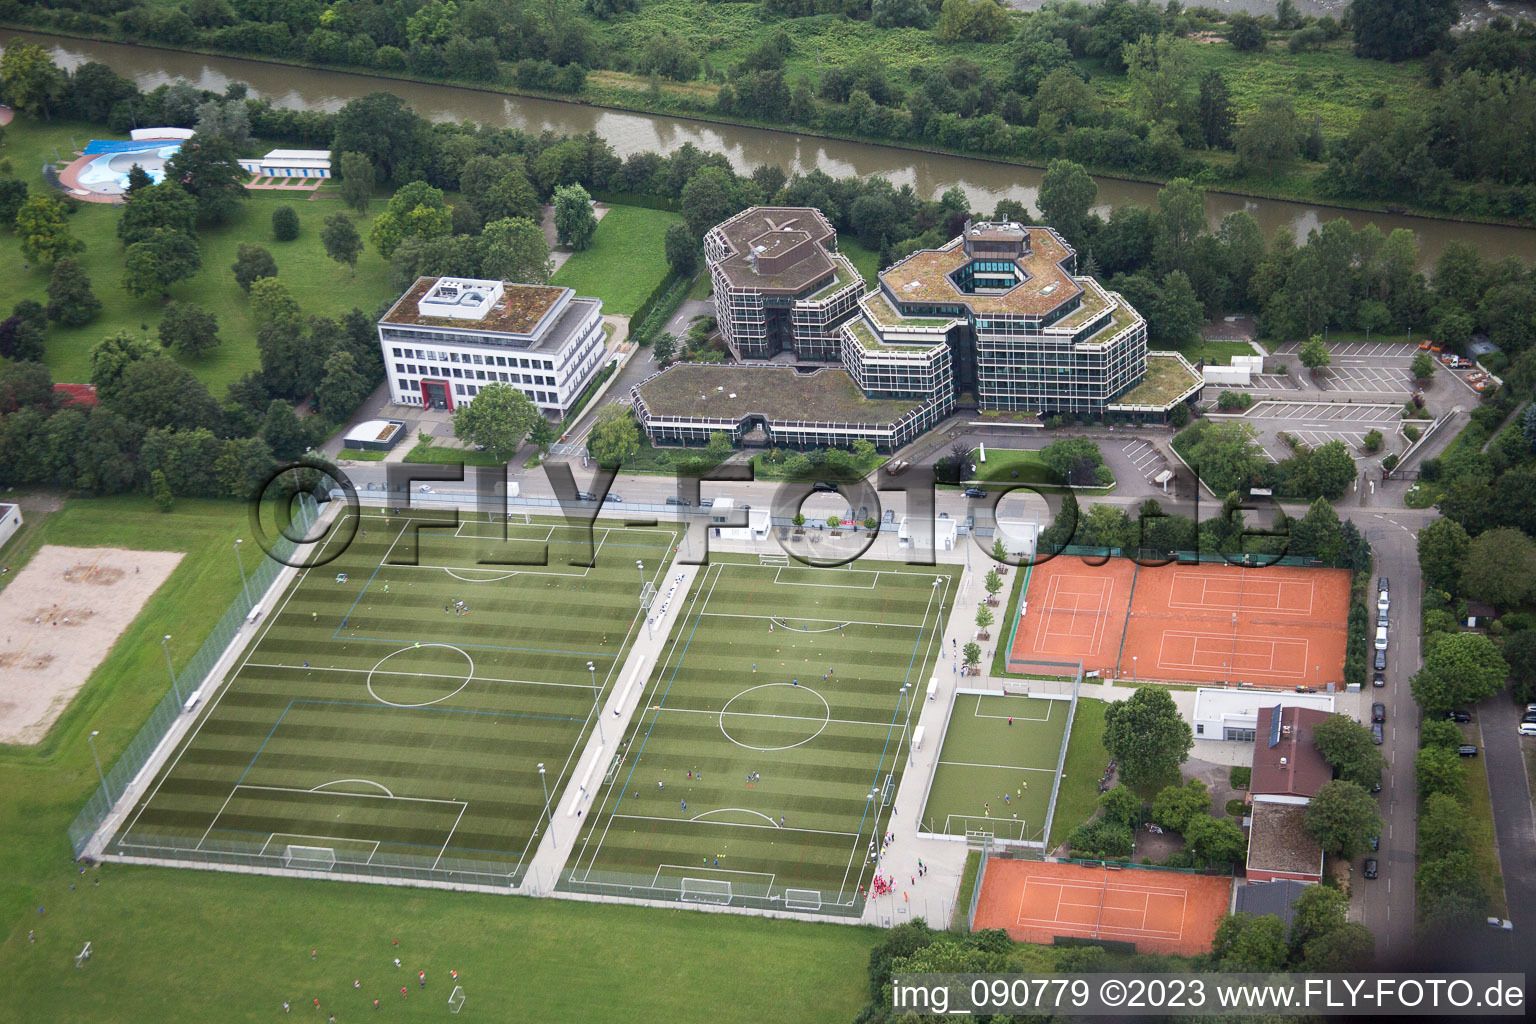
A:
x,y
1381,637
898,467
1381,661
1378,712
673,499
822,487
585,496
1467,750
1529,716
1527,729
1458,716
1383,604
1530,707
1376,736
975,492
1501,924
1378,680
1381,584
1375,843
613,497
1370,867
708,503
1376,786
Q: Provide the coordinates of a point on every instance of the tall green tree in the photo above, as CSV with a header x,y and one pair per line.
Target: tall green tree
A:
x,y
499,418
575,223
29,79
357,181
1158,69
251,263
42,231
209,170
162,259
614,438
1176,806
111,357
1066,198
1271,136
341,240
416,211
1500,567
1460,669
515,250
1347,745
1214,111
342,389
1439,771
1314,353
1398,29
1245,942
70,299
382,129
1147,735
1342,817
166,205
1216,840
189,329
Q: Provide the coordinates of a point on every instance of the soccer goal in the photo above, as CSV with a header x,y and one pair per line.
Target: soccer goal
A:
x,y
706,890
456,999
802,899
779,559
309,858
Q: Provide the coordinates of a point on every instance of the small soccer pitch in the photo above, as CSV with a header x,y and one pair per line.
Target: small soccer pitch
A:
x,y
395,707
771,738
997,767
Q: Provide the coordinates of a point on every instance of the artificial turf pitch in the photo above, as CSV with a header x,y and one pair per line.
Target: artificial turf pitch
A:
x,y
379,718
825,756
997,767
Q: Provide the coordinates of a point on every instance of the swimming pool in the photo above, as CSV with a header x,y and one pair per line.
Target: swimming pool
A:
x,y
109,171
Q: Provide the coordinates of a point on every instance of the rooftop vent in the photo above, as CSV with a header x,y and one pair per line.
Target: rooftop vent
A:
x,y
1282,762
717,390
1048,289
732,395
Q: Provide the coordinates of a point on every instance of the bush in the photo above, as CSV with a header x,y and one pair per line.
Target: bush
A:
x,y
285,224
1372,441
1411,432
1237,807
1233,401
1240,776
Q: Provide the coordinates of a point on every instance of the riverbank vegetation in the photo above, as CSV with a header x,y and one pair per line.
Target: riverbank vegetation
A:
x,y
1283,105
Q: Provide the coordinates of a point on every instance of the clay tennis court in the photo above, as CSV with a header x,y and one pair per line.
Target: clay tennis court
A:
x,y
1074,610
1279,626
1160,911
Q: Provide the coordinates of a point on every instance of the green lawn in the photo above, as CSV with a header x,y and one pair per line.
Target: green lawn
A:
x,y
1086,757
701,287
321,286
1479,808
812,708
626,260
446,455
1020,466
865,261
1215,353
370,678
993,747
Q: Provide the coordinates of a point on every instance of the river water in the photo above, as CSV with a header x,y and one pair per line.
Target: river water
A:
x,y
984,181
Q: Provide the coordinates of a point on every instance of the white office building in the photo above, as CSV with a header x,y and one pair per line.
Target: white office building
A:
x,y
447,338
1233,714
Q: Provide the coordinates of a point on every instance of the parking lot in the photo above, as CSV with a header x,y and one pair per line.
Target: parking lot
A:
x,y
1317,423
1358,366
1145,458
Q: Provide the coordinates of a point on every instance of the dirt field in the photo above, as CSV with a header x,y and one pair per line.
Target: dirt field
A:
x,y
58,619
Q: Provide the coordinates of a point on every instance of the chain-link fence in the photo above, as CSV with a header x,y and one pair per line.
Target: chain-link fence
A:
x,y
188,682
713,888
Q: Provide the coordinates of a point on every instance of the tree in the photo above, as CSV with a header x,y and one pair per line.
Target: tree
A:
x,y
1459,669
1176,806
343,389
1422,367
111,357
1271,137
664,347
151,207
1067,195
252,262
682,250
153,265
993,583
416,211
1520,652
1319,911
1176,314
1122,805
1349,948
1225,455
1244,32
357,181
1438,770
515,250
499,419
1347,745
984,618
1244,942
13,193
709,198
189,329
1314,353
615,438
385,132
341,240
158,392
981,21
30,80
575,224
283,431
272,302
1158,71
164,499
1072,460
1216,840
1372,315
42,231
285,223
209,170
1215,111
70,299
20,340
1342,817
1500,567
1147,735
971,653
1398,29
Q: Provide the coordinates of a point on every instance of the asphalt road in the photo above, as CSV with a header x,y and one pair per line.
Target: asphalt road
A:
x,y
1509,786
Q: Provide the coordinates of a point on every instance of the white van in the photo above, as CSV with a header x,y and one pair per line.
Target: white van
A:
x,y
1381,637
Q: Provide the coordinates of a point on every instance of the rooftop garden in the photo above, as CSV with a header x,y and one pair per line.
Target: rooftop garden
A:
x,y
1167,378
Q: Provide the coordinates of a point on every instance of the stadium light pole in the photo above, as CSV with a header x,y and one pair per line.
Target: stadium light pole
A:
x,y
168,667
596,713
245,586
549,818
91,739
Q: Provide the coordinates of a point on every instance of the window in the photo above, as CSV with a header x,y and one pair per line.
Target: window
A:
x,y
397,353
404,384
458,389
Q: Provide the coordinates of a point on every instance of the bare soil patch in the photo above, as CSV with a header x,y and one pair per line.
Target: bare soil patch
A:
x,y
58,619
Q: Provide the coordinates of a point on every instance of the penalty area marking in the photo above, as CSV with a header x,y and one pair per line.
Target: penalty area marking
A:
x,y
366,782
427,703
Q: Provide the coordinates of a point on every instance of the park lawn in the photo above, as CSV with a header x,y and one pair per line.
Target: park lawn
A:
x,y
1214,353
701,287
1021,466
237,946
626,260
865,261
446,455
321,286
1077,795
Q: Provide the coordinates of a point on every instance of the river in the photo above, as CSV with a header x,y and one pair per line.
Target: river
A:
x,y
984,181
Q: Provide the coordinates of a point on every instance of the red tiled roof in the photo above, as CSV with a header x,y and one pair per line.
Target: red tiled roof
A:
x,y
77,394
1293,766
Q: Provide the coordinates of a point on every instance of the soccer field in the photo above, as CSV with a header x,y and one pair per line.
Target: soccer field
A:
x,y
399,699
997,767
771,738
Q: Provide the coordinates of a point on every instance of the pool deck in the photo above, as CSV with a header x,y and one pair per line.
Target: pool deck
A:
x,y
69,177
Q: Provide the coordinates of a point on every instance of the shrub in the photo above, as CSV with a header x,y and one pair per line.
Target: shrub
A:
x,y
1240,776
1237,807
1411,432
1233,401
285,224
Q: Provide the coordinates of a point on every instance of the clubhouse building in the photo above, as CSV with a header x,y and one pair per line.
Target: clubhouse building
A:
x,y
447,338
995,320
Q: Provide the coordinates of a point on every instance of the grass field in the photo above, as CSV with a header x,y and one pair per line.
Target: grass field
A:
x,y
1078,793
630,237
865,261
811,706
994,747
379,718
321,286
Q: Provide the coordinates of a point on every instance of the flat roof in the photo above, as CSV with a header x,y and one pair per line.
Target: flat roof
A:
x,y
519,312
375,430
1215,702
1278,839
924,277
777,228
1168,378
780,393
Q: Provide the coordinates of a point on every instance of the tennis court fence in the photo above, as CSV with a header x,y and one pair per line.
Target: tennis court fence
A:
x,y
122,776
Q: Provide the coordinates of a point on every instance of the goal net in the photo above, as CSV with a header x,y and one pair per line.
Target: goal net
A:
x,y
778,559
456,999
309,858
706,890
802,899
